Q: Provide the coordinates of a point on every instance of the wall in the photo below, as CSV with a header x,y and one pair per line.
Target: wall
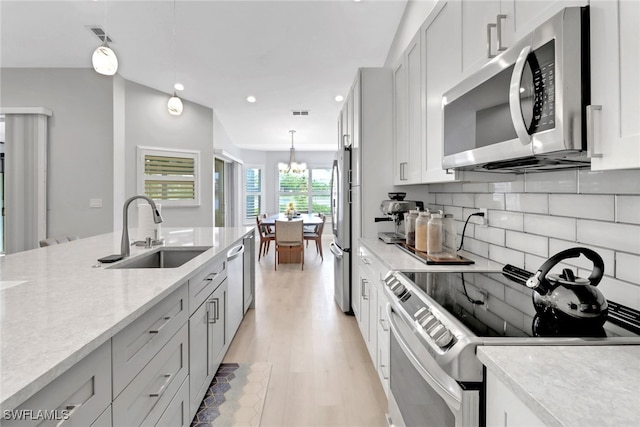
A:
x,y
80,142
541,214
148,123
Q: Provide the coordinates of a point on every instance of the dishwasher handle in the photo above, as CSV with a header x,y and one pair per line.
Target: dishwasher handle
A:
x,y
335,250
235,252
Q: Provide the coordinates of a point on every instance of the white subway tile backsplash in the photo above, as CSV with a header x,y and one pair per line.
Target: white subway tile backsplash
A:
x,y
505,311
582,206
490,201
533,263
532,203
628,267
628,209
455,211
506,255
551,226
444,199
430,199
529,243
608,255
490,235
475,187
436,188
463,199
618,291
516,186
565,181
623,237
476,246
508,220
609,182
514,298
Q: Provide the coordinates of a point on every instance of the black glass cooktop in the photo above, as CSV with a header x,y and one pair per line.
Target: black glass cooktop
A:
x,y
492,305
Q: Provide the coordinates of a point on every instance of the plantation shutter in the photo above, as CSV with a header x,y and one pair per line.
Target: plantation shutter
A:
x,y
169,175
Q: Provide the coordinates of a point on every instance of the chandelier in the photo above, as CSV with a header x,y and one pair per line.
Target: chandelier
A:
x,y
292,166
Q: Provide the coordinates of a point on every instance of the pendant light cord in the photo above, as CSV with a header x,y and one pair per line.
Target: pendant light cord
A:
x,y
175,73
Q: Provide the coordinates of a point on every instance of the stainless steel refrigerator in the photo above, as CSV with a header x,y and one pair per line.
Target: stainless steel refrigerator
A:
x,y
341,227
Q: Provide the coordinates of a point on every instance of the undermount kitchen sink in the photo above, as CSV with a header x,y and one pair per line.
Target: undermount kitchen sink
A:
x,y
166,257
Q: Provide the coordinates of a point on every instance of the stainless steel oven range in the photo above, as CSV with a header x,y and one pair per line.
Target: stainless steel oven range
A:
x,y
438,320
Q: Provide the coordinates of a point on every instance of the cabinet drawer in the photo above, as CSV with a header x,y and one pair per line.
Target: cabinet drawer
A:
x,y
81,394
206,281
177,413
145,400
139,342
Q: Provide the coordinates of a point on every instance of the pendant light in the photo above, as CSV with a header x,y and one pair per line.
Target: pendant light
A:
x,y
174,105
104,59
292,166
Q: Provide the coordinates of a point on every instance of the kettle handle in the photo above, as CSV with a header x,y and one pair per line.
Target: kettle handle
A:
x,y
539,281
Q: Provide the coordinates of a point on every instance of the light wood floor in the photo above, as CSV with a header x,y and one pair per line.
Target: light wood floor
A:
x,y
321,374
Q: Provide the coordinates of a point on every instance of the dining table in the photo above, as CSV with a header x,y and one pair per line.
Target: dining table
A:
x,y
308,219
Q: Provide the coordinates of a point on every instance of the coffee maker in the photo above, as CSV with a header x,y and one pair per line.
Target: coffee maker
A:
x,y
394,210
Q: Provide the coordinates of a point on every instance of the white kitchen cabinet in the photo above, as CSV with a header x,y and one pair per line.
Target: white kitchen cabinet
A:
x,y
177,412
400,105
505,409
615,86
491,26
408,117
82,393
138,343
147,397
441,70
383,341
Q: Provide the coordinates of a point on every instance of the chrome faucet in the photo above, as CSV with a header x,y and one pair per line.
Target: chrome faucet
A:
x,y
125,251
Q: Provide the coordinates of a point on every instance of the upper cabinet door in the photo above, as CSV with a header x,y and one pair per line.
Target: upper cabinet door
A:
x,y
355,108
479,32
415,117
441,70
615,85
400,140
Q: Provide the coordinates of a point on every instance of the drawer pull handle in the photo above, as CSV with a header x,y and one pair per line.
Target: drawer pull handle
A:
x,y
70,408
367,261
383,371
211,276
163,388
157,331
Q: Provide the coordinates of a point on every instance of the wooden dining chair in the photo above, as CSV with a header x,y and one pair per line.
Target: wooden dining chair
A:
x,y
266,237
316,235
289,240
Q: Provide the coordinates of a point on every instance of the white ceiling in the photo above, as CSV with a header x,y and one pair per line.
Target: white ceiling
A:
x,y
290,55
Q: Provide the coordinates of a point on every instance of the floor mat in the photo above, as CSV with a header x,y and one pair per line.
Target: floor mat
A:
x,y
235,397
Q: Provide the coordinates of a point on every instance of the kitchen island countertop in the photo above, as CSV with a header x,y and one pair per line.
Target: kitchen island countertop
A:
x,y
398,260
57,304
581,386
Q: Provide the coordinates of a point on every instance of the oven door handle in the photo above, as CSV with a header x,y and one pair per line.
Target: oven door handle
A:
x,y
453,400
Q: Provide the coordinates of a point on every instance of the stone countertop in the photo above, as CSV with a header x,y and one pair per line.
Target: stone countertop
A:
x,y
398,260
568,386
57,304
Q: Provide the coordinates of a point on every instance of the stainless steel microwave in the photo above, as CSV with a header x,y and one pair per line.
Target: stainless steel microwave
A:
x,y
526,108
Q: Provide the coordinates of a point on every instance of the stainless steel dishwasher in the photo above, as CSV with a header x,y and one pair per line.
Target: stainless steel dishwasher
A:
x,y
235,283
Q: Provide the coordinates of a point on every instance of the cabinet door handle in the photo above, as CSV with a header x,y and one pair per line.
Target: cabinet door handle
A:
x,y
489,27
157,331
384,326
70,408
499,20
363,289
163,388
591,137
215,310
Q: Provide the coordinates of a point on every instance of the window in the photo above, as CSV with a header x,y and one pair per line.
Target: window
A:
x,y
253,193
169,176
294,187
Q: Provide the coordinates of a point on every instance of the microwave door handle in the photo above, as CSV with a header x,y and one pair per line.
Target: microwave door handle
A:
x,y
514,97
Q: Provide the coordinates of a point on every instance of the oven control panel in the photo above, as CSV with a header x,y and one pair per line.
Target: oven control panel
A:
x,y
419,311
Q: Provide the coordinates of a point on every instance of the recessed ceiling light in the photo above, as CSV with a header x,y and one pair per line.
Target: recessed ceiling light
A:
x,y
251,99
178,86
339,98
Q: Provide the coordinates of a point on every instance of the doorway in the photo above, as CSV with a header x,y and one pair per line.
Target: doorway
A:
x,y
225,197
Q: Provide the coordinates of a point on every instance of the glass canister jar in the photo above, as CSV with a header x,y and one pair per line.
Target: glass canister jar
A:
x,y
450,234
421,231
410,227
435,234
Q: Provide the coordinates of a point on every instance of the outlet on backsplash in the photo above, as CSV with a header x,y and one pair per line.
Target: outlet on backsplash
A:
x,y
483,221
